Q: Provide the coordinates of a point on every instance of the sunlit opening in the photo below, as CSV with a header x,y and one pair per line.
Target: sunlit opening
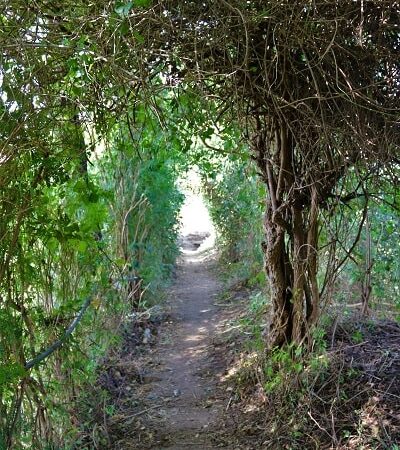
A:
x,y
197,230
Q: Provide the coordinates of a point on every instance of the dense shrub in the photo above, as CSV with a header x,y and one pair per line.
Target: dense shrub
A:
x,y
236,210
95,234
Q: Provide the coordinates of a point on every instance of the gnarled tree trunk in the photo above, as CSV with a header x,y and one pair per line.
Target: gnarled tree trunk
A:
x,y
291,232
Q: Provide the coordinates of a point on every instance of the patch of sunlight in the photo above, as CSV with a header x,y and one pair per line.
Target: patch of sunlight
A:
x,y
247,362
194,338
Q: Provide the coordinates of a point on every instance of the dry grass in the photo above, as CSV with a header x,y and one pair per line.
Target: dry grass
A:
x,y
348,398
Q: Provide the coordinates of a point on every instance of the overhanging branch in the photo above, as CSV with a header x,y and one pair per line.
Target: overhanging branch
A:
x,y
57,344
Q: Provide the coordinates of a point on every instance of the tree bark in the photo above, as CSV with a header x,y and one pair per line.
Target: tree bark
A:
x,y
291,237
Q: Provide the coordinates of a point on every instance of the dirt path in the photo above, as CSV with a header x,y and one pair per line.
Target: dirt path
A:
x,y
181,389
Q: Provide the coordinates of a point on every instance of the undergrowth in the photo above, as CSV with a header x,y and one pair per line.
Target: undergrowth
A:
x,y
314,395
100,230
236,211
335,394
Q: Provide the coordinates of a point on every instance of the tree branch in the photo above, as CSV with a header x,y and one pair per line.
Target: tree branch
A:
x,y
57,344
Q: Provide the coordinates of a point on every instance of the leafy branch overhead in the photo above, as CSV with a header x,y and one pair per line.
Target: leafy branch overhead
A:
x,y
314,88
105,104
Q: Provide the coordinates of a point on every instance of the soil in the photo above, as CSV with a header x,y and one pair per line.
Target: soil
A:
x,y
187,408
173,400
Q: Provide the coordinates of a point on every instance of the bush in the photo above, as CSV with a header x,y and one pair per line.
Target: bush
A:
x,y
236,209
88,228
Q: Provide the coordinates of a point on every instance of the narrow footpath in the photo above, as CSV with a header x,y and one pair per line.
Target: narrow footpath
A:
x,y
182,389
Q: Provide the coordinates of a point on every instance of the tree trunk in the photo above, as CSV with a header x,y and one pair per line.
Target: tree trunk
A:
x,y
291,234
280,274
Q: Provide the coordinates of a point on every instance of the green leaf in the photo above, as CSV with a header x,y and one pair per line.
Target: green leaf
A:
x,y
120,262
10,373
79,245
123,9
207,133
138,37
52,244
124,28
142,3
